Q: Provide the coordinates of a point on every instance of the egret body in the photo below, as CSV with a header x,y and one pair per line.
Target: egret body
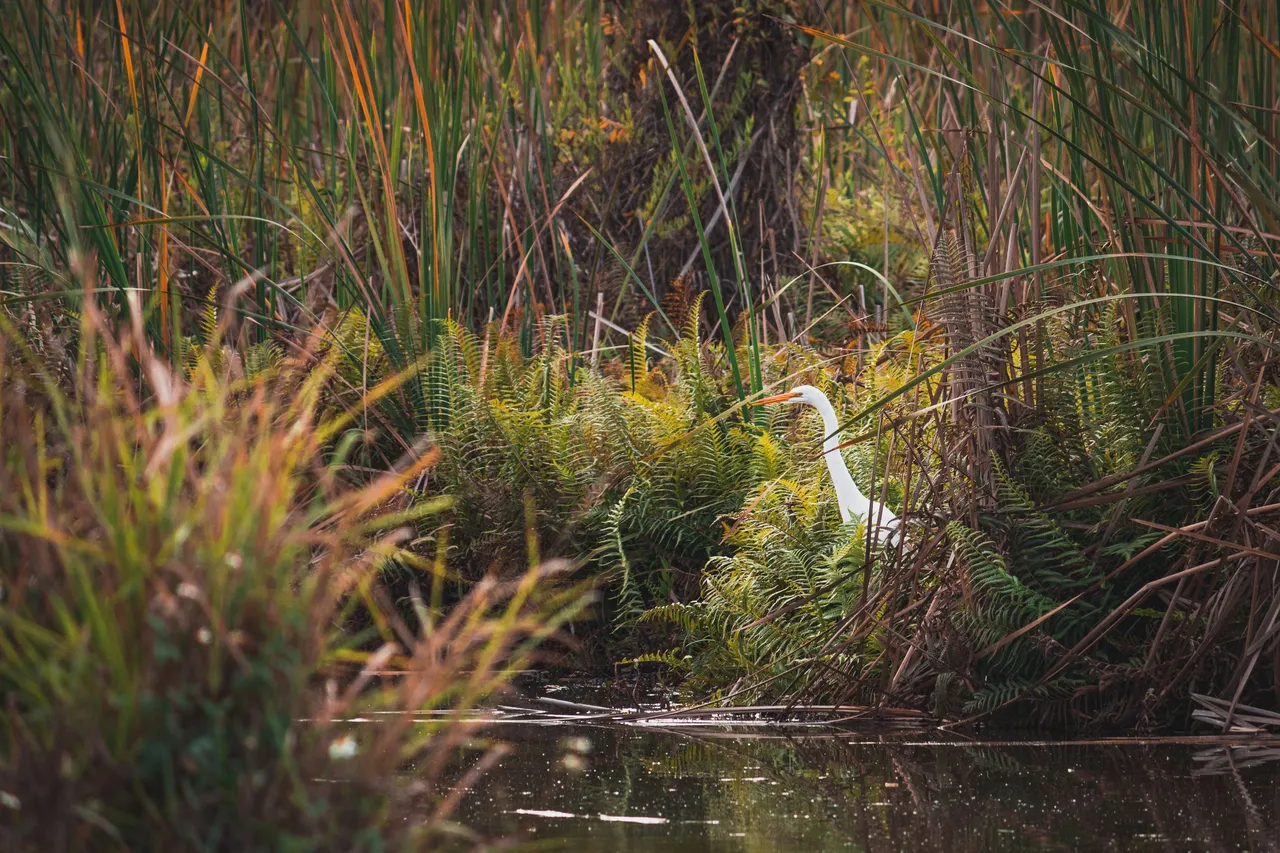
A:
x,y
853,504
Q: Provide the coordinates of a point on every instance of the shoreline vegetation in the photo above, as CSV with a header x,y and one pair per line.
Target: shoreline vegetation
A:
x,y
354,356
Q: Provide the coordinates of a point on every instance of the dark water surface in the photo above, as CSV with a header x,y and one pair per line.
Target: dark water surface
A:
x,y
702,787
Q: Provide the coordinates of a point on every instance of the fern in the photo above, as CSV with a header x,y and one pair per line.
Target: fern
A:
x,y
630,602
794,574
670,657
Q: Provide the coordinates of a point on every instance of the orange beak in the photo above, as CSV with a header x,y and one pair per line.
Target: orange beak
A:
x,y
778,398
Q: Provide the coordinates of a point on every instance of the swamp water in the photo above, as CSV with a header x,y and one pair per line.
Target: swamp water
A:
x,y
698,785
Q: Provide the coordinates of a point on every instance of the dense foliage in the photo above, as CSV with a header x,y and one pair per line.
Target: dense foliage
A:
x,y
415,296
184,564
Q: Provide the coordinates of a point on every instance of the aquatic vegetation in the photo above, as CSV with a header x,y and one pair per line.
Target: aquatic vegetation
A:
x,y
637,473
192,605
416,295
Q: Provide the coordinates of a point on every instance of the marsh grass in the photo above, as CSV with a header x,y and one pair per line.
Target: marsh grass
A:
x,y
1088,178
183,563
1031,248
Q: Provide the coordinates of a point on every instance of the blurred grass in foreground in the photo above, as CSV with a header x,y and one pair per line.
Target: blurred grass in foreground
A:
x,y
182,566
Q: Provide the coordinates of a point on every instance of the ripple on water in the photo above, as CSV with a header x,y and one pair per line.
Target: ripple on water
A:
x,y
706,788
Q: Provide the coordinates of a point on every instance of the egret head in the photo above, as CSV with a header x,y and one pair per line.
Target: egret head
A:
x,y
803,394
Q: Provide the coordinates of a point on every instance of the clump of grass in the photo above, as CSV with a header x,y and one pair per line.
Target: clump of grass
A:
x,y
181,562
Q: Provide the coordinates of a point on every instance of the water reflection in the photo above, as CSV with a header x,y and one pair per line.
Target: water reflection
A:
x,y
631,788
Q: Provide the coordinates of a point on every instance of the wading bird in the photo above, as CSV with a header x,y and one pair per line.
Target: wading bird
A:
x,y
853,504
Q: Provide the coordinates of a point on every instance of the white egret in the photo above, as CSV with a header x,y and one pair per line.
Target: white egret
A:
x,y
853,504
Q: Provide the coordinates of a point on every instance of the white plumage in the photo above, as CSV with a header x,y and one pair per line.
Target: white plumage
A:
x,y
853,504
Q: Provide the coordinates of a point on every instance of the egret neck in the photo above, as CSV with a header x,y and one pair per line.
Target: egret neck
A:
x,y
853,504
